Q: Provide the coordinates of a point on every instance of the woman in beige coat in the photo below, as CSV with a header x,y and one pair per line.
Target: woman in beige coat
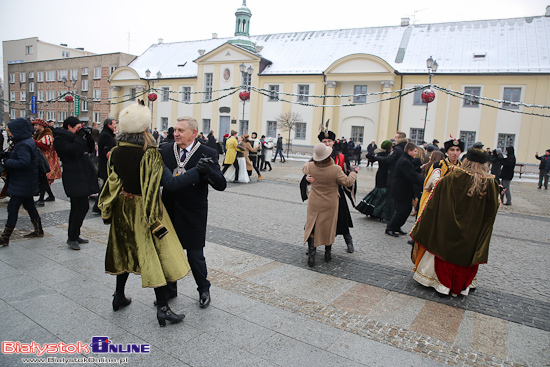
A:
x,y
322,207
249,165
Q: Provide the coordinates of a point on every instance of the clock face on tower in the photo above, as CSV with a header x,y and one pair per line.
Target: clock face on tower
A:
x,y
226,74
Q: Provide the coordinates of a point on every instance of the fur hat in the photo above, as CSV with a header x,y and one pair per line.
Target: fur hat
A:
x,y
39,121
327,135
135,118
321,152
454,143
477,155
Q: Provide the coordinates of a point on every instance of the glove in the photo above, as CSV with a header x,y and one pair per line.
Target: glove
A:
x,y
203,166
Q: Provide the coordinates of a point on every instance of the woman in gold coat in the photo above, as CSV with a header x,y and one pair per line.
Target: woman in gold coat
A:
x,y
322,207
142,240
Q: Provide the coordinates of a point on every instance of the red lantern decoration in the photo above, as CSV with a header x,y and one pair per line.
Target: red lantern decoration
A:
x,y
244,95
428,95
68,98
152,97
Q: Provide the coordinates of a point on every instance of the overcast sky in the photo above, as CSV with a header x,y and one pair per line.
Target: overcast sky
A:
x,y
104,26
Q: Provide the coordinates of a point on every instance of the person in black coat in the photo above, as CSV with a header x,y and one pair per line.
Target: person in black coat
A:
x,y
188,208
22,178
370,152
507,174
106,142
79,174
402,190
496,159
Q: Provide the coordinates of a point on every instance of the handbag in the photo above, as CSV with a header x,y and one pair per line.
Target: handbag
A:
x,y
365,208
43,165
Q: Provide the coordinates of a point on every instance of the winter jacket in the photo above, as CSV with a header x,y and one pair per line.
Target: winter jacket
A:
x,y
22,161
508,165
105,143
544,162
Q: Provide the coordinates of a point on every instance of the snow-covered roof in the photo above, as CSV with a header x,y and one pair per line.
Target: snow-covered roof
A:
x,y
517,45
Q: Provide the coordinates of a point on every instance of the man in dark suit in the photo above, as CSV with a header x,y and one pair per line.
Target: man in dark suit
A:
x,y
188,208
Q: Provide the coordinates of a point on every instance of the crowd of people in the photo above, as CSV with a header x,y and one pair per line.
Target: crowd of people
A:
x,y
161,236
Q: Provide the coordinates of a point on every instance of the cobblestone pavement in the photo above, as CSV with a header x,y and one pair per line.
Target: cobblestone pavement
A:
x,y
270,309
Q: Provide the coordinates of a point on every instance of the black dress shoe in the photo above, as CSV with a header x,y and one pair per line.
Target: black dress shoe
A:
x,y
82,240
50,198
120,301
410,242
401,232
391,233
204,300
73,244
41,202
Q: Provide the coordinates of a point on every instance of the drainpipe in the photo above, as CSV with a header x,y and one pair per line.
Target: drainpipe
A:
x,y
324,98
400,97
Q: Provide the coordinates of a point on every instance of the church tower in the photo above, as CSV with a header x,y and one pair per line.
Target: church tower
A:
x,y
242,23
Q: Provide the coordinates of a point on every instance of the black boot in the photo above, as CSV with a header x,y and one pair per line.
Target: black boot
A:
x,y
349,242
311,252
165,313
38,231
120,300
5,236
328,255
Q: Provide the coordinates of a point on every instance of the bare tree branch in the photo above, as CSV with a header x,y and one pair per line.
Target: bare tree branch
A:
x,y
287,122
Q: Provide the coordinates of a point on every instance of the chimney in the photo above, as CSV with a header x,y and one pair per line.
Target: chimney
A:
x,y
214,36
201,52
547,11
63,44
161,41
405,22
80,48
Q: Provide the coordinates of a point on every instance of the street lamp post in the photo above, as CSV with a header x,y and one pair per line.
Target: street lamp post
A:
x,y
152,96
244,95
69,98
432,65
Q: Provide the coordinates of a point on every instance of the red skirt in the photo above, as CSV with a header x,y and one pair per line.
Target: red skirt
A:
x,y
455,277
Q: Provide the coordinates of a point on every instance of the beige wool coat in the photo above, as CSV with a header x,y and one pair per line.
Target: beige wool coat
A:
x,y
322,206
248,146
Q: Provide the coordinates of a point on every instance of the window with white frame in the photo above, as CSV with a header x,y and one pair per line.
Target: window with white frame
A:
x,y
112,69
271,129
303,89
360,94
50,95
65,54
246,79
74,74
97,117
243,127
165,94
12,114
186,94
208,78
83,105
273,93
28,50
31,87
12,78
511,95
164,123
468,137
51,115
61,93
40,96
84,71
471,101
50,76
12,96
62,115
418,98
97,94
61,74
84,85
23,113
133,93
505,140
206,125
97,72
31,74
40,76
357,133
300,130
41,114
22,77
416,135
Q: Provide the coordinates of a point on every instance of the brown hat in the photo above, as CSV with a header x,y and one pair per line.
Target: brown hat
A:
x,y
321,152
39,121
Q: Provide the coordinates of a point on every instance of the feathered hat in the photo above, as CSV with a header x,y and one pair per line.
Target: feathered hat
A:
x,y
452,142
135,118
326,133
